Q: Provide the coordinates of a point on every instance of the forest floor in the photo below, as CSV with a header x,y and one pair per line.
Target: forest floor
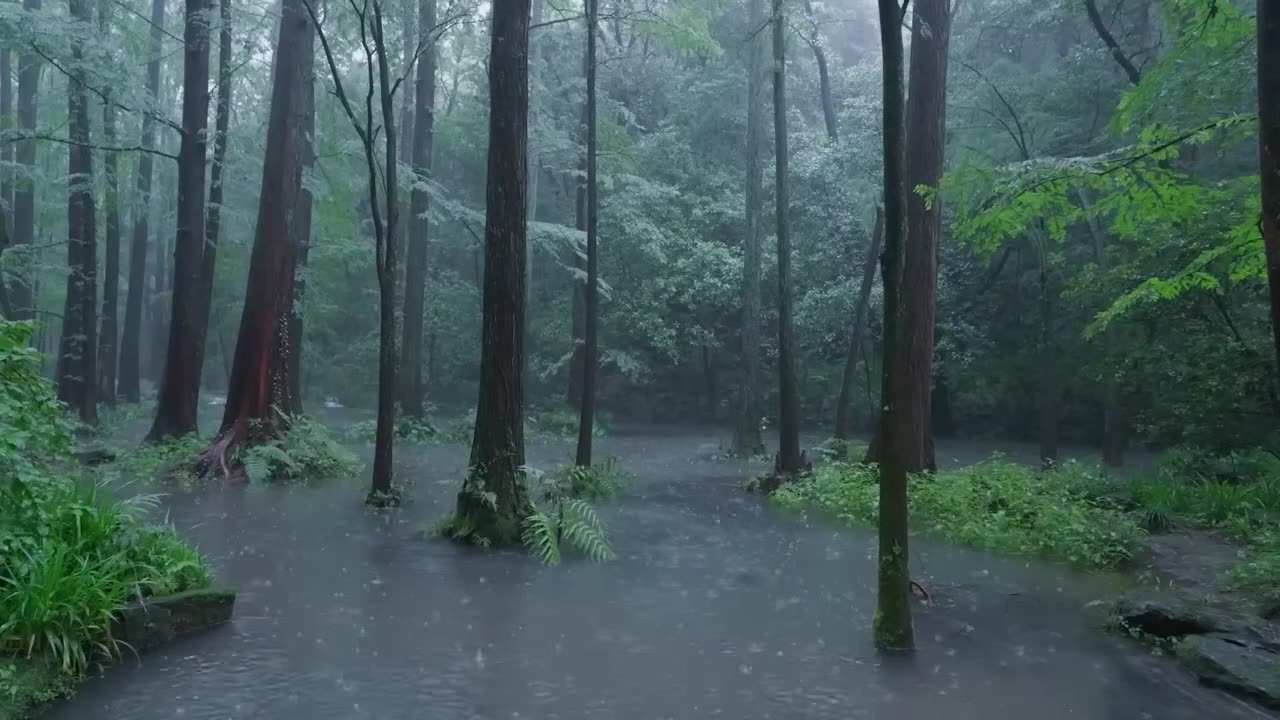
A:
x,y
716,606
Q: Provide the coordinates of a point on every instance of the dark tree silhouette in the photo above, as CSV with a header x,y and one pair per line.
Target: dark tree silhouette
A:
x,y
129,383
180,382
412,391
497,449
77,352
789,459
257,392
844,406
1269,149
21,295
6,184
747,440
302,240
893,630
591,308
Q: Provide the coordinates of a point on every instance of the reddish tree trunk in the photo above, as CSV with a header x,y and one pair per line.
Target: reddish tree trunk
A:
x,y
184,358
77,352
412,391
497,450
257,381
1269,149
131,338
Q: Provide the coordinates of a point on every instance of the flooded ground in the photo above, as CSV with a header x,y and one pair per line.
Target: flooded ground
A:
x,y
717,606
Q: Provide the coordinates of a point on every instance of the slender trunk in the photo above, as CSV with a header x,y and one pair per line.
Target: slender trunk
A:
x,y
1050,390
109,333
405,116
256,384
587,419
6,151
824,77
1113,422
131,338
180,382
532,163
213,226
77,352
1269,149
844,406
21,295
578,323
747,440
789,460
497,450
412,390
893,631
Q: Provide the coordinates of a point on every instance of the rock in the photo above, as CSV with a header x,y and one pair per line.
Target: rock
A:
x,y
95,456
1172,616
1234,664
147,624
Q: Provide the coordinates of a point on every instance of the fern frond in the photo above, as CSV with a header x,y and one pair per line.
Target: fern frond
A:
x,y
582,529
538,532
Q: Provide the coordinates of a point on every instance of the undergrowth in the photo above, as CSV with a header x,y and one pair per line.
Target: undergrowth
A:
x,y
994,504
562,423
306,452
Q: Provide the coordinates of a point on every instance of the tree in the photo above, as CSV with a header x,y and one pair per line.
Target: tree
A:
x,y
494,499
213,224
258,384
1269,149
21,295
844,419
108,334
131,338
179,394
586,423
789,459
77,352
893,630
411,386
747,440
306,203
373,40
6,186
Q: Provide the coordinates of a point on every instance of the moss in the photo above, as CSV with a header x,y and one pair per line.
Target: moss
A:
x,y
27,684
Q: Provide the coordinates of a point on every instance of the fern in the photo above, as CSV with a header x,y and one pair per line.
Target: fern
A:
x,y
541,536
582,529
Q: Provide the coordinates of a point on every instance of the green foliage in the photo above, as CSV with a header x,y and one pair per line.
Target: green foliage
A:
x,y
409,430
306,452
562,423
569,522
994,504
35,429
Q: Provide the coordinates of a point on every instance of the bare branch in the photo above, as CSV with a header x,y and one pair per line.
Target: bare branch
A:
x,y
20,136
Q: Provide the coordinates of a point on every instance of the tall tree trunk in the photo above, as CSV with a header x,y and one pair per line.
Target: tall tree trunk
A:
x,y
844,406
412,390
6,162
109,332
184,358
21,295
256,383
789,460
497,450
213,224
747,440
1049,390
1113,421
578,321
1269,149
131,339
77,352
893,630
586,422
926,124
306,201
824,76
534,169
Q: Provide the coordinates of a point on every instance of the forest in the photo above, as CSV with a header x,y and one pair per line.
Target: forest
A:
x,y
971,294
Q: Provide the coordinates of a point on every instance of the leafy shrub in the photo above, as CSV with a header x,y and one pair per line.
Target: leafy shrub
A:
x,y
994,504
1259,573
35,428
410,430
562,424
306,452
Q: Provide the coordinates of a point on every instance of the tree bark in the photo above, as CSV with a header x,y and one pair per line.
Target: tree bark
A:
x,y
109,332
893,631
131,339
302,241
497,450
747,440
412,390
844,406
184,358
262,344
21,295
77,351
824,77
789,460
586,422
926,130
6,151
1269,149
213,224
578,322
534,170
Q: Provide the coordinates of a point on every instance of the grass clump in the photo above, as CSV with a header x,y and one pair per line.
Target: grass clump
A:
x,y
994,504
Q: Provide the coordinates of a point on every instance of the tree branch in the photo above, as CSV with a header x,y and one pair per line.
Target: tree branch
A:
x,y
1091,7
20,136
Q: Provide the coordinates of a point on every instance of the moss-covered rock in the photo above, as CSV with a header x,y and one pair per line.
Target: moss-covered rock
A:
x,y
1234,663
147,624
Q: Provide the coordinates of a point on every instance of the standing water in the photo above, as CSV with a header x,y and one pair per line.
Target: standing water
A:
x,y
717,606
